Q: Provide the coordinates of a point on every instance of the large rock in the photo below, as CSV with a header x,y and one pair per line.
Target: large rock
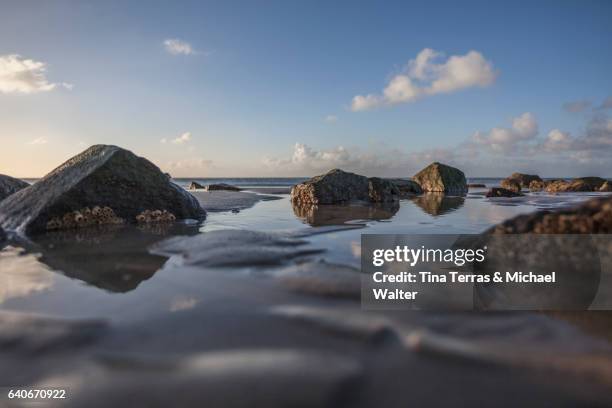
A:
x,y
438,177
594,183
102,185
502,192
337,186
576,185
10,185
407,187
592,217
537,185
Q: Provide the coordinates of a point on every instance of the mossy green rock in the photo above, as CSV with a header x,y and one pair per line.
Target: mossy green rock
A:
x,y
438,177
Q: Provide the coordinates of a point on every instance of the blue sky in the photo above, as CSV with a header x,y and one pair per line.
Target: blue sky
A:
x,y
268,87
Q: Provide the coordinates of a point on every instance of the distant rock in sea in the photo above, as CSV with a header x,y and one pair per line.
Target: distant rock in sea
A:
x,y
524,180
576,185
502,192
104,184
438,177
337,186
10,185
476,185
222,186
195,186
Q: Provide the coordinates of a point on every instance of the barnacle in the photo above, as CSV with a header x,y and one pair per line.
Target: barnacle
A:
x,y
84,217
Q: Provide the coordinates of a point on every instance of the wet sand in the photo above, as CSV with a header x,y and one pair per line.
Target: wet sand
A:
x,y
268,313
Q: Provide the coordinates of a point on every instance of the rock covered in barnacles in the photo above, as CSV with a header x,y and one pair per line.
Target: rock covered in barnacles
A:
x,y
149,216
511,184
104,176
85,217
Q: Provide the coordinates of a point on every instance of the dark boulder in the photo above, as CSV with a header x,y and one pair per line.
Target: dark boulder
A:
x,y
476,185
195,186
102,185
222,186
438,177
407,187
10,185
502,192
382,191
337,187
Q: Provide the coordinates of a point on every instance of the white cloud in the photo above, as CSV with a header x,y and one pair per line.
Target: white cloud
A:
x,y
38,141
424,77
22,75
524,128
178,47
556,141
182,139
331,118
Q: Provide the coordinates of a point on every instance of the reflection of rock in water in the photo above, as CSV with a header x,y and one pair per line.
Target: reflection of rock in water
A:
x,y
332,214
438,203
114,258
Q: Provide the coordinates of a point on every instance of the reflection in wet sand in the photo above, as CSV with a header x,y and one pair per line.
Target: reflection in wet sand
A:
x,y
114,258
21,275
318,215
438,203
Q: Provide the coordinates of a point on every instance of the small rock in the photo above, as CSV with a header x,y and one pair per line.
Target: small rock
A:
x,y
114,180
502,192
382,191
525,179
10,185
511,184
438,177
195,186
476,185
407,187
537,185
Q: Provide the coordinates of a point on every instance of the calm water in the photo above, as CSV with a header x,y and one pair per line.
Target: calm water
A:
x,y
112,274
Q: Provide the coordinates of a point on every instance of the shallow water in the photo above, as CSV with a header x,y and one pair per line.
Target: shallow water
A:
x,y
298,296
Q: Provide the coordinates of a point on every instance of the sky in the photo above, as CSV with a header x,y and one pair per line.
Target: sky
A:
x,y
295,88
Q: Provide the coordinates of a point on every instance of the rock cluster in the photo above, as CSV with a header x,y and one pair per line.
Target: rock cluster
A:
x,y
502,192
85,217
10,185
537,185
438,177
592,217
150,216
103,176
523,180
576,185
606,187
